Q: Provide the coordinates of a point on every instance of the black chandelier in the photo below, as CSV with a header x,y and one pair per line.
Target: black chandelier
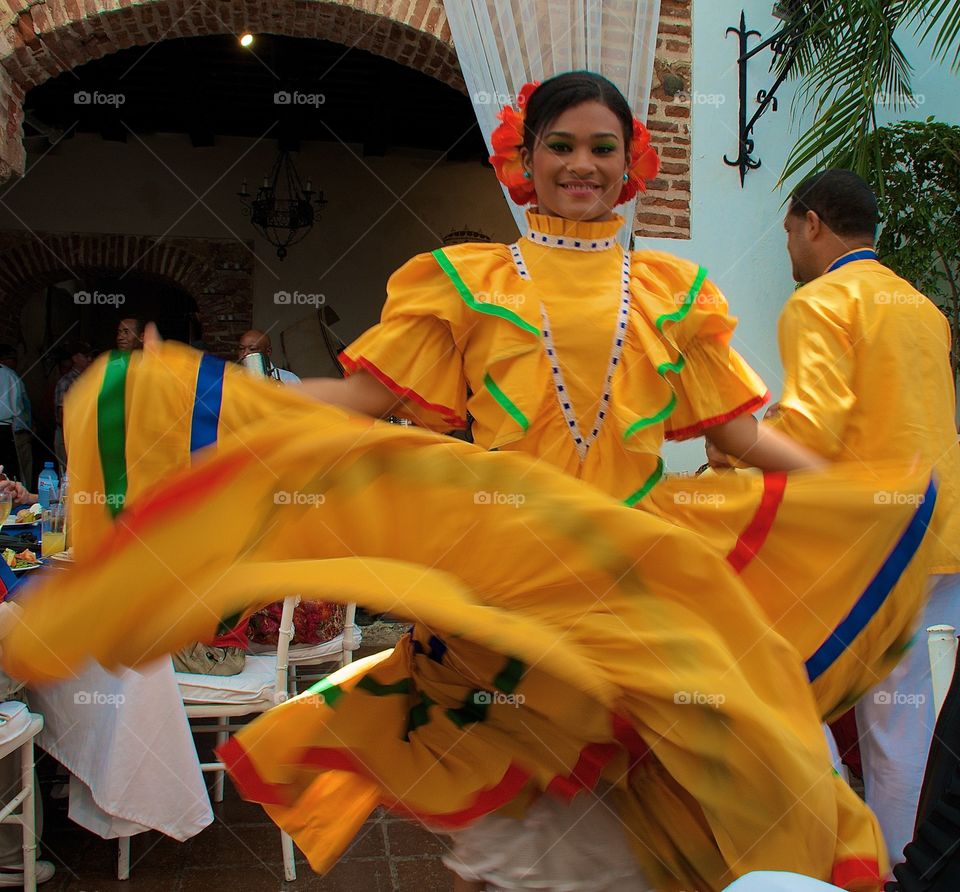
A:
x,y
283,211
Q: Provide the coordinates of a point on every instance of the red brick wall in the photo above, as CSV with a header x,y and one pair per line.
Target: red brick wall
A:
x,y
217,273
665,210
42,40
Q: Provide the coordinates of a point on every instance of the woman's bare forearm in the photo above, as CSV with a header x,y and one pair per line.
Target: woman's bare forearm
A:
x,y
761,446
361,392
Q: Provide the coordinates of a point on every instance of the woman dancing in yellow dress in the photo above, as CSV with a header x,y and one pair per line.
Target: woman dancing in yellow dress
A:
x,y
562,642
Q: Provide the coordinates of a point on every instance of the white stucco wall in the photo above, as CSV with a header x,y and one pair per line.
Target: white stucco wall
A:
x,y
737,233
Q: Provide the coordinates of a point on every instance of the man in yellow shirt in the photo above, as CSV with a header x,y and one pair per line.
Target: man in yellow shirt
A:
x,y
867,378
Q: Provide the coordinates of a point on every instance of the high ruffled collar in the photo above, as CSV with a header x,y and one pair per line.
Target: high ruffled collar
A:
x,y
558,232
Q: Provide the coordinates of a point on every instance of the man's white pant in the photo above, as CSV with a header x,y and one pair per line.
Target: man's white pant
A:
x,y
895,721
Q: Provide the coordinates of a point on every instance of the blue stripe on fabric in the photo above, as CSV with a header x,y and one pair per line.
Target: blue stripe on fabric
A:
x,y
206,402
877,591
865,254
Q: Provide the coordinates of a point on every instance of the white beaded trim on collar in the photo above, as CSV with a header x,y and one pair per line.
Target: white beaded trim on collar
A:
x,y
569,241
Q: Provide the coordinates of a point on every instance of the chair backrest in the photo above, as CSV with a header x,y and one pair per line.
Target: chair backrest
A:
x,y
284,636
942,646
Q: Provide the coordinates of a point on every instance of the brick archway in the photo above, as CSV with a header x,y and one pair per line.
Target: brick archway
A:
x,y
42,40
216,273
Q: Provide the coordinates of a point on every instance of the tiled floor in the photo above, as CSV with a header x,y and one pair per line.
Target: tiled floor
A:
x,y
240,852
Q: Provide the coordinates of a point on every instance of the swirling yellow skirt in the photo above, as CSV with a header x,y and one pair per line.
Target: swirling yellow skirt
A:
x,y
558,637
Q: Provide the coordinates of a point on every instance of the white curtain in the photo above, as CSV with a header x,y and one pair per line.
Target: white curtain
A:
x,y
503,44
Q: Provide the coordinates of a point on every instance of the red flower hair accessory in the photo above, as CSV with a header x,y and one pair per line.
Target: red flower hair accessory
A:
x,y
507,141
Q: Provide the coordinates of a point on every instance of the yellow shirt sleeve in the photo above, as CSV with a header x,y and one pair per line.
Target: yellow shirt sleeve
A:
x,y
818,364
412,349
714,383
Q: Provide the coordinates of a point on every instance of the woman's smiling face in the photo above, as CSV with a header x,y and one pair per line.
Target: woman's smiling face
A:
x,y
578,163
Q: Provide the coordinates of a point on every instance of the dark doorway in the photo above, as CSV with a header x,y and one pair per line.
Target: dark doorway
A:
x,y
89,309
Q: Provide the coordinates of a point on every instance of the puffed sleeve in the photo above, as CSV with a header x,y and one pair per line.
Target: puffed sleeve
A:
x,y
818,366
714,383
412,349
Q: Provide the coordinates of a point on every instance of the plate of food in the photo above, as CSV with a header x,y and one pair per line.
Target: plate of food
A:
x,y
24,517
21,561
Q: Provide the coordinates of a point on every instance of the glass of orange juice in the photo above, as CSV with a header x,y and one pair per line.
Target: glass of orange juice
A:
x,y
54,531
6,503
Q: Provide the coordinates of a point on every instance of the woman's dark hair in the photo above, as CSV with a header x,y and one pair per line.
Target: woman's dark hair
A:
x,y
554,96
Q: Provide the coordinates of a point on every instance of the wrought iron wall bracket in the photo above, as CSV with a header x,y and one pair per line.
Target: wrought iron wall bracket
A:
x,y
767,98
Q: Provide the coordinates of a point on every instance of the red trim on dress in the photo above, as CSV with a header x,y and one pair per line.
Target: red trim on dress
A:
x,y
254,788
449,416
486,801
755,533
236,637
695,430
586,773
245,775
627,736
856,870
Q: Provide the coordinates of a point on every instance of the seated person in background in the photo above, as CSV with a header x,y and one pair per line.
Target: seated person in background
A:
x,y
255,341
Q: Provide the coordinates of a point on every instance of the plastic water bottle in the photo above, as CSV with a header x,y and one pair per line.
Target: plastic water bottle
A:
x,y
48,486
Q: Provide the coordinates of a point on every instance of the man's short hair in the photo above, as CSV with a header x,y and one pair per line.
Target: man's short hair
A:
x,y
841,199
72,348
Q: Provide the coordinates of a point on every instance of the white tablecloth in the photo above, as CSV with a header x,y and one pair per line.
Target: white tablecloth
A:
x,y
126,741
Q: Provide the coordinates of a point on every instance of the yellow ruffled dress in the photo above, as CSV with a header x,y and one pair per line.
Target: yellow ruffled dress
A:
x,y
462,332
561,639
